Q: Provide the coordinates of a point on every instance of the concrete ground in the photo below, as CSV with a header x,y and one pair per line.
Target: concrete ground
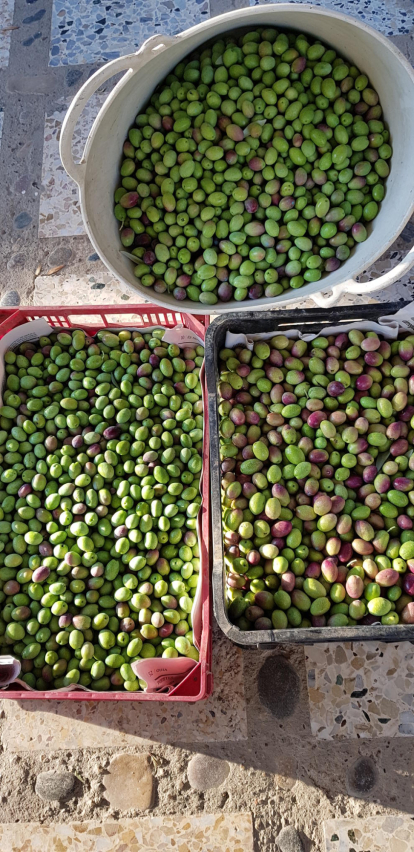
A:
x,y
298,748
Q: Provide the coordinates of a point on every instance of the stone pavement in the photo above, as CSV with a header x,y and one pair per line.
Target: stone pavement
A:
x,y
298,748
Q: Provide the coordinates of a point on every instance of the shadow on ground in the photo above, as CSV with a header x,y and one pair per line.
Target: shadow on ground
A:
x,y
258,720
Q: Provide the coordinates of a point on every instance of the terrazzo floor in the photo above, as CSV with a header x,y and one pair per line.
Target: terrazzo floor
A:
x,y
59,209
361,690
317,736
153,834
390,834
95,32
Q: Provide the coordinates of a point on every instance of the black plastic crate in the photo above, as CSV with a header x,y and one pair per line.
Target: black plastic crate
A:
x,y
307,321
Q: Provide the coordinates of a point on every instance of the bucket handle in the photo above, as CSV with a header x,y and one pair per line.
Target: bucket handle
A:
x,y
129,63
358,288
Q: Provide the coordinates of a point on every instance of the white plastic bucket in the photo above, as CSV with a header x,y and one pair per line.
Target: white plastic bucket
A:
x,y
97,174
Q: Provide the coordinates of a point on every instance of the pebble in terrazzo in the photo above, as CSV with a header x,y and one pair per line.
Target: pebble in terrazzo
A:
x,y
207,773
37,16
362,778
29,41
279,687
55,786
289,841
129,782
22,220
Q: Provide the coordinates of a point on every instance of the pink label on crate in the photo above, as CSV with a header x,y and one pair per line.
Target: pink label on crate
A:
x,y
159,673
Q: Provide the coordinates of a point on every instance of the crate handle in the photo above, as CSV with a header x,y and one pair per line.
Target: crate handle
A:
x,y
130,64
360,289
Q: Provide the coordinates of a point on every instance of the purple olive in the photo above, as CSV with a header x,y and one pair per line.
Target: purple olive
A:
x,y
45,549
11,587
254,612
24,490
263,623
404,522
408,584
313,570
318,620
40,574
126,625
315,419
112,432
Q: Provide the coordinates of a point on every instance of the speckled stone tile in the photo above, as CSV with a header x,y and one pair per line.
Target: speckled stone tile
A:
x,y
206,833
390,17
100,288
1,124
35,725
100,32
59,211
361,689
6,21
371,834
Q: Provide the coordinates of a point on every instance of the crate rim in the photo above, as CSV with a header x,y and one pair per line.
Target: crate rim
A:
x,y
319,317
12,317
202,671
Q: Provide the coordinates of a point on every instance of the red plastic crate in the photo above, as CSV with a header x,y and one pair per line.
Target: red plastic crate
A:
x,y
198,684
6,312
